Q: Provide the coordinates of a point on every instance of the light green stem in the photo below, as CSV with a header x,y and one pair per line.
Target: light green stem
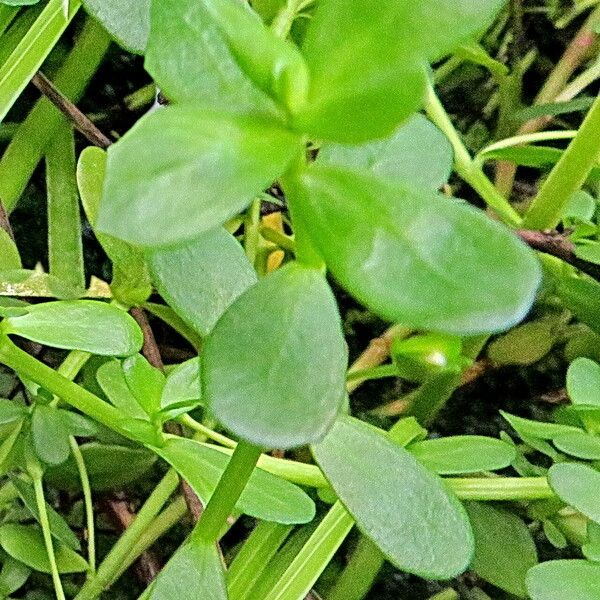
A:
x,y
569,174
115,559
464,164
45,523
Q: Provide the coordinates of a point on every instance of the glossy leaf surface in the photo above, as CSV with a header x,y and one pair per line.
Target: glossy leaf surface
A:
x,y
414,257
273,369
561,579
577,485
209,168
409,514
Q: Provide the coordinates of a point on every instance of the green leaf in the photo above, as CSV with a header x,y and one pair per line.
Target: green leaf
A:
x,y
131,281
414,257
409,513
580,445
504,548
582,298
145,382
231,49
208,169
524,345
195,571
273,369
581,207
58,526
561,579
182,390
463,454
591,548
128,22
50,435
112,381
109,467
13,576
588,251
577,485
25,543
85,325
266,496
538,429
11,411
10,258
367,75
201,278
417,151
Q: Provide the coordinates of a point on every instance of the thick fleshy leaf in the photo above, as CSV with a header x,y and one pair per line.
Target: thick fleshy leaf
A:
x,y
577,485
109,467
524,345
130,279
463,454
199,279
219,52
208,169
145,382
128,21
409,513
195,571
26,544
417,151
86,325
527,428
182,390
562,579
414,257
261,374
13,575
504,548
367,75
583,382
580,445
266,496
112,381
11,411
50,435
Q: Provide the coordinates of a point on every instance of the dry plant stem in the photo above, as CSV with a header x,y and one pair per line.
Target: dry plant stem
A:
x,y
577,51
559,245
75,116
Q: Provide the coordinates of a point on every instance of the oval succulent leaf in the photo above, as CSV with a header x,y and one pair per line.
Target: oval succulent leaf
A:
x,y
86,325
560,579
577,485
273,369
182,171
414,257
409,514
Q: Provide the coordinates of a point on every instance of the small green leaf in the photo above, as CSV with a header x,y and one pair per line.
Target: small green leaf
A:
x,y
266,496
504,548
86,325
588,251
9,254
208,169
417,151
145,382
273,369
583,382
580,445
127,21
50,435
414,257
582,298
182,390
11,411
581,207
591,549
26,544
231,49
194,571
58,526
112,381
13,576
577,485
409,513
562,579
523,345
538,429
131,282
201,278
109,467
463,454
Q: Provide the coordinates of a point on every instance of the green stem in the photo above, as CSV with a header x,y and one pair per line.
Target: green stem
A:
x,y
252,231
569,174
45,523
464,164
87,501
283,21
29,143
206,431
115,559
379,372
78,397
228,490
